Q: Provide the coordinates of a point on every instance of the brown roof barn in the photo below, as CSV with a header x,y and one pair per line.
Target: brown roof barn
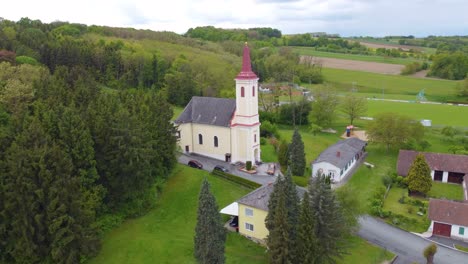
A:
x,y
450,212
436,161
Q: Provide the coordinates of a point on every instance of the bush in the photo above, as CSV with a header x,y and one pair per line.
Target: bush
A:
x,y
26,60
410,209
387,180
262,141
236,179
248,165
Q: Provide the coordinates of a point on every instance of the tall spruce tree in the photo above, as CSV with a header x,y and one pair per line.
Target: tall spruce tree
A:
x,y
210,235
296,150
284,187
279,240
306,240
419,176
330,226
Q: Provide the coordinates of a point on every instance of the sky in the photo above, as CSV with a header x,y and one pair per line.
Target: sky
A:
x,y
345,17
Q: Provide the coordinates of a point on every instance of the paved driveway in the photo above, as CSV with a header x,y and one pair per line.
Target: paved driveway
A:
x,y
209,164
409,247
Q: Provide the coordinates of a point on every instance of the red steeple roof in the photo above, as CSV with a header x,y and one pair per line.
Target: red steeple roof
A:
x,y
246,72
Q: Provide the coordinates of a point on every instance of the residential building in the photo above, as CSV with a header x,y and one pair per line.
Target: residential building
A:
x,y
444,167
448,218
224,129
338,160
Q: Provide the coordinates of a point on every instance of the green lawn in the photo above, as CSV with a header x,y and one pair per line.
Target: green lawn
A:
x,y
437,113
446,191
462,248
268,153
375,84
366,180
165,234
364,252
358,57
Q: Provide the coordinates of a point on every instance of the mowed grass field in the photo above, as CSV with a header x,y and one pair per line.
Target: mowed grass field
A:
x,y
310,51
440,114
378,84
165,234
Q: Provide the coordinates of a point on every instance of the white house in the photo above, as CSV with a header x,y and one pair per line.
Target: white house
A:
x,y
338,160
448,218
224,129
444,167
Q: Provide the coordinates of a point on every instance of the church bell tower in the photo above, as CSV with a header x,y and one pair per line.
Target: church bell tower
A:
x,y
245,124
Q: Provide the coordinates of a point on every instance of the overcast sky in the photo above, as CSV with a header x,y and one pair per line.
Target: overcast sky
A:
x,y
345,17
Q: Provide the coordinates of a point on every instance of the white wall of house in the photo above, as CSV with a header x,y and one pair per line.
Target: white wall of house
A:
x,y
333,171
455,232
460,232
327,169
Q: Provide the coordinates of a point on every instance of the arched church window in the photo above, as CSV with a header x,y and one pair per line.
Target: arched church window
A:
x,y
216,141
242,91
200,139
253,91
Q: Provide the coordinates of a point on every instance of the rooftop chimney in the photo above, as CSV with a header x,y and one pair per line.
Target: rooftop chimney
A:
x,y
338,154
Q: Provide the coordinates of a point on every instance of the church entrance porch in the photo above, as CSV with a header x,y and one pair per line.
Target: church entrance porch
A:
x,y
257,155
227,157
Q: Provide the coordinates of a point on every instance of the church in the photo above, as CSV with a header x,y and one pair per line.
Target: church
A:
x,y
224,129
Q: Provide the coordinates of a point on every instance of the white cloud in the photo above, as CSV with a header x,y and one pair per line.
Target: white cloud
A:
x,y
346,17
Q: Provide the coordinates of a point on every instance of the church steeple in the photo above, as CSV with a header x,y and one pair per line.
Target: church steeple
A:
x,y
246,72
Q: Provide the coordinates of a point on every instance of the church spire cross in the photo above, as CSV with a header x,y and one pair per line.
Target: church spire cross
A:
x,y
246,72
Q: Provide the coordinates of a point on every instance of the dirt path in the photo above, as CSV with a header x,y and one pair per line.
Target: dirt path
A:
x,y
375,67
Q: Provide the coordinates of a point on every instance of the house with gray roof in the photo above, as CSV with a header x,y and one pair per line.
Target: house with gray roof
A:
x,y
252,210
221,128
338,160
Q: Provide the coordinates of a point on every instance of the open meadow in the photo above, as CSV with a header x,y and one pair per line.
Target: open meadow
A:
x,y
165,234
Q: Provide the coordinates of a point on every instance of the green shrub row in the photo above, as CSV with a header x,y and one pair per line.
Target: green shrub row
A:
x,y
236,179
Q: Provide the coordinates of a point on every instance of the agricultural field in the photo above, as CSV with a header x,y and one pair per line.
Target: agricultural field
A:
x,y
364,66
378,84
310,51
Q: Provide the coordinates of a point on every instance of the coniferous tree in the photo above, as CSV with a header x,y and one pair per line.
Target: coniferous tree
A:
x,y
283,153
330,226
306,240
279,240
297,153
284,187
210,235
419,176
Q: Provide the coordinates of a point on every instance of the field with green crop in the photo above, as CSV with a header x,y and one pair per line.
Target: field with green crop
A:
x,y
440,114
378,84
310,51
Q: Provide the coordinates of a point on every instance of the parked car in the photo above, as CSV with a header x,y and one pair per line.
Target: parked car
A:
x,y
220,168
271,169
195,164
234,222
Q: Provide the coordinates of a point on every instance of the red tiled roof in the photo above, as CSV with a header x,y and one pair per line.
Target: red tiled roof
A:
x,y
449,212
436,161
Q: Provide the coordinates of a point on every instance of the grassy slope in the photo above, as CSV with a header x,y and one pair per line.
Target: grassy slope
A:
x,y
312,52
166,233
374,84
439,114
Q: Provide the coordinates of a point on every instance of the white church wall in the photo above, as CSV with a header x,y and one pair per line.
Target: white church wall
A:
x,y
208,133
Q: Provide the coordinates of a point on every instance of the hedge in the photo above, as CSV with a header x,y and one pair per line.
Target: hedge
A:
x,y
236,179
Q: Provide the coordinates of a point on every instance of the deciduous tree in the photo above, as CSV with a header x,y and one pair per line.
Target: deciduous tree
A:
x,y
324,106
393,129
354,106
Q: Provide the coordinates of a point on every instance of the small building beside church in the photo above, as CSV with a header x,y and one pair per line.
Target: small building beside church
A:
x,y
224,129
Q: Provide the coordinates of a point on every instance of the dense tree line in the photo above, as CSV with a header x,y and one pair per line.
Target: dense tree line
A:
x,y
219,34
72,153
309,228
